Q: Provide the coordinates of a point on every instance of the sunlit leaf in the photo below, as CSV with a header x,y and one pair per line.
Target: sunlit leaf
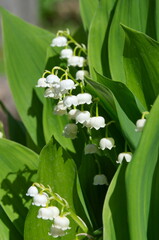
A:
x,y
7,228
25,56
18,167
141,57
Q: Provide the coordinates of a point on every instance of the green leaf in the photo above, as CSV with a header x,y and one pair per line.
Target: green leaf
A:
x,y
124,12
57,170
25,56
18,167
7,229
141,57
15,127
129,195
122,113
98,40
88,9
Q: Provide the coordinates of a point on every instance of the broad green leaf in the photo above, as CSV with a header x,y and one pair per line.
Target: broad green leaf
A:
x,y
141,57
157,19
58,170
122,114
133,14
130,191
25,56
88,9
115,208
16,129
154,207
98,38
18,167
139,177
7,229
122,94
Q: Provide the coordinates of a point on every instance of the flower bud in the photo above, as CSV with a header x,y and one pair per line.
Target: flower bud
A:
x,y
140,125
100,179
90,149
70,131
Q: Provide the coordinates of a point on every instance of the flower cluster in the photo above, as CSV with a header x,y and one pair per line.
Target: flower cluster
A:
x,y
46,200
69,90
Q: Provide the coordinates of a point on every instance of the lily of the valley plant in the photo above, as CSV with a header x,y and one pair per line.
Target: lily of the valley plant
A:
x,y
82,161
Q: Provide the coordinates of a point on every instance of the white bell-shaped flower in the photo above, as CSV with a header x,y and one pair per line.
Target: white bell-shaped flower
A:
x,y
56,232
59,41
140,125
42,83
90,149
66,53
100,179
53,93
125,155
62,222
60,109
106,143
48,213
70,131
66,85
97,122
76,61
53,80
72,113
40,200
32,191
70,101
84,98
82,116
80,74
